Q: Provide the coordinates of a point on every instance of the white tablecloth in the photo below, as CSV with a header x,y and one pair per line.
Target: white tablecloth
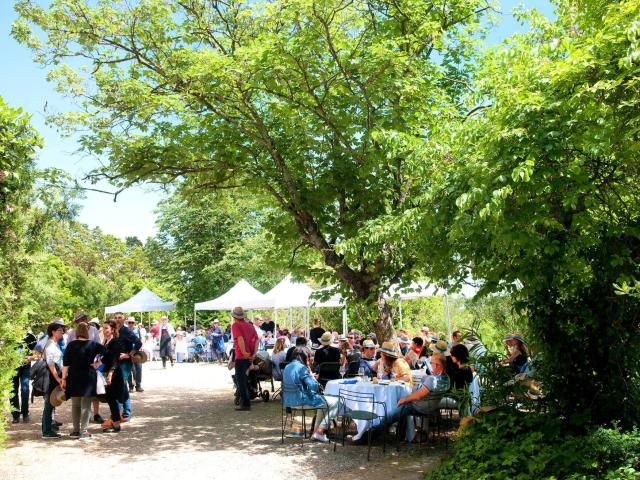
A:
x,y
387,394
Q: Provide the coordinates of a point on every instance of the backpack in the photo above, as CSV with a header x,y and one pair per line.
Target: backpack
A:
x,y
40,376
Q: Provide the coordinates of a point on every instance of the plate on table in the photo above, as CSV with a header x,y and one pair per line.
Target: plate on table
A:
x,y
384,382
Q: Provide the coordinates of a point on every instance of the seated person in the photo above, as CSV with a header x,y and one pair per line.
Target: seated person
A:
x,y
298,373
461,376
517,352
300,342
392,365
326,352
403,342
278,356
368,357
419,401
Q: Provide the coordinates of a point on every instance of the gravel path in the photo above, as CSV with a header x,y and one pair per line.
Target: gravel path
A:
x,y
185,427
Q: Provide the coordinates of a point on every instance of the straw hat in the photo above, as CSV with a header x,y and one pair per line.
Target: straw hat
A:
x,y
389,349
139,357
440,347
404,340
57,396
238,313
325,339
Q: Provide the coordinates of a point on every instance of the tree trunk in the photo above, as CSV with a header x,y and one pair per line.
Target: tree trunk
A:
x,y
384,324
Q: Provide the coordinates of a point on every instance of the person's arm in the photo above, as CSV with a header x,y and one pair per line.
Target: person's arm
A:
x,y
65,373
54,371
419,394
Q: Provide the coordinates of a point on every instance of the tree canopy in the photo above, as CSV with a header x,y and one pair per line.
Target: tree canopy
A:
x,y
313,103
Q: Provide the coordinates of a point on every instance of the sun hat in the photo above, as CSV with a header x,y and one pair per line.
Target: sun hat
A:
x,y
80,317
131,320
389,349
95,321
216,321
404,340
325,339
238,313
424,329
515,336
60,322
440,347
139,357
368,344
57,396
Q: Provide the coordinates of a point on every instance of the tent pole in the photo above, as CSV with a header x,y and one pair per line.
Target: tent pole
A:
x,y
447,313
344,320
194,318
400,310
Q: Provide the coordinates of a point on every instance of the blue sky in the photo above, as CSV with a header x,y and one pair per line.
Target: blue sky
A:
x,y
23,84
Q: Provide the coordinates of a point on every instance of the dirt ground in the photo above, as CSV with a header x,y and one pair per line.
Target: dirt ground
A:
x,y
184,426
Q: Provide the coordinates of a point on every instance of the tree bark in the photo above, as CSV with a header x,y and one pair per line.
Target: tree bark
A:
x,y
383,326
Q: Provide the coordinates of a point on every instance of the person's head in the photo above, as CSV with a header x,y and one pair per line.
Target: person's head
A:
x,y
119,319
55,331
164,320
95,322
369,349
110,328
351,338
216,323
131,322
300,354
82,330
417,342
424,331
438,364
456,337
316,322
257,321
460,354
237,313
80,317
301,342
281,342
389,352
325,339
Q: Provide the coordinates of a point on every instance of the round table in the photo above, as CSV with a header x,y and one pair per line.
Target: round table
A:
x,y
386,394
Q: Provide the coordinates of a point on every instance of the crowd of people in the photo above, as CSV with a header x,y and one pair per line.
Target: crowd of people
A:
x,y
300,364
94,361
86,363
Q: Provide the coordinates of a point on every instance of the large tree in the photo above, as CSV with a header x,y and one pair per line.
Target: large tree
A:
x,y
312,102
542,198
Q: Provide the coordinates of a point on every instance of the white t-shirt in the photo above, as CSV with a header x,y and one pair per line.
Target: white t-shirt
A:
x,y
53,354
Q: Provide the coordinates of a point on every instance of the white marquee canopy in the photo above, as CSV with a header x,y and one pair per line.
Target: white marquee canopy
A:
x,y
143,301
238,296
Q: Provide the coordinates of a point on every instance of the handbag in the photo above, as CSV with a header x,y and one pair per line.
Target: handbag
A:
x,y
101,384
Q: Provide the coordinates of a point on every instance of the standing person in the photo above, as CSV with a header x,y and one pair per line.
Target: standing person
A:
x,y
79,377
245,342
20,397
268,326
181,347
166,333
155,329
94,334
217,342
136,373
115,386
316,332
130,345
53,357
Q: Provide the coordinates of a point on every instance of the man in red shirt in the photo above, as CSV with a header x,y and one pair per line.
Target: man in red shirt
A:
x,y
245,344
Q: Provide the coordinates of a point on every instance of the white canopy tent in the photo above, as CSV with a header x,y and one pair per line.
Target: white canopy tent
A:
x,y
424,290
143,301
241,293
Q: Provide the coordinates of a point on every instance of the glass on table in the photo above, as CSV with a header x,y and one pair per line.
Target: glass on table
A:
x,y
343,370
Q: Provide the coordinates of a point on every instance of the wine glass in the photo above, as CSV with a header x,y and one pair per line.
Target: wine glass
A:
x,y
343,370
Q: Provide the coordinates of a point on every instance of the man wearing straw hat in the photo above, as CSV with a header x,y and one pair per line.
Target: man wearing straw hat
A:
x,y
245,344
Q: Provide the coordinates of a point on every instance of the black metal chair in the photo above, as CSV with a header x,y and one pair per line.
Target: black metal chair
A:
x,y
291,411
431,414
347,397
352,369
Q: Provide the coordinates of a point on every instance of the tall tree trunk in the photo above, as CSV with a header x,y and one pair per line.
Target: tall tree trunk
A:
x,y
384,324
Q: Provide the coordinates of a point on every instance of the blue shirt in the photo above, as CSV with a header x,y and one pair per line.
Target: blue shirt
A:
x,y
304,388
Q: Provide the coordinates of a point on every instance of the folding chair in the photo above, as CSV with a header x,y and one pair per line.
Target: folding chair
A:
x,y
290,411
369,414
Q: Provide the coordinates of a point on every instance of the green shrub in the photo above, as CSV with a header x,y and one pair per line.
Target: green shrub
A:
x,y
509,444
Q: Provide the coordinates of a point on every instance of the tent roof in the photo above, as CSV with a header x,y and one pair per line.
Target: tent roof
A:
x,y
426,289
241,294
286,294
143,301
